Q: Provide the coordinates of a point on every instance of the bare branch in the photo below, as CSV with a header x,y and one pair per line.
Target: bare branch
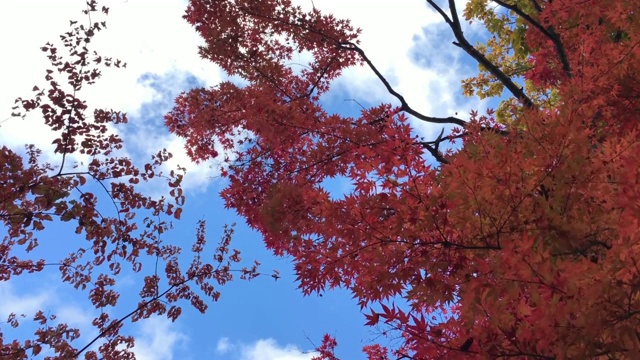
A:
x,y
441,12
404,106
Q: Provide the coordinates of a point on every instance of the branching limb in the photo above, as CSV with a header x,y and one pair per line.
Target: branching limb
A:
x,y
433,146
433,150
463,43
404,106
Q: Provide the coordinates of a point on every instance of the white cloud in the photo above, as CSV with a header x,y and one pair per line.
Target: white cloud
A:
x,y
20,300
76,315
13,301
158,340
223,345
144,138
268,349
262,349
27,26
387,35
150,35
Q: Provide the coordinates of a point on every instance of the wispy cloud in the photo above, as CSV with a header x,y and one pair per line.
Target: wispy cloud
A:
x,y
146,133
223,346
18,302
19,298
159,339
162,61
262,349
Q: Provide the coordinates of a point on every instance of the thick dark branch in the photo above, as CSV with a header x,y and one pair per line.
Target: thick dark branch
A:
x,y
353,47
448,244
441,12
548,32
435,153
454,15
433,146
464,44
404,106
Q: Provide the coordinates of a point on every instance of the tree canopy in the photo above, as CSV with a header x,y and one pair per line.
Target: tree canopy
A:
x,y
91,189
512,234
520,238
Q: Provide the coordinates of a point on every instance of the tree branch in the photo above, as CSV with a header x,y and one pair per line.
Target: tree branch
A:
x,y
464,44
404,106
548,32
143,305
433,145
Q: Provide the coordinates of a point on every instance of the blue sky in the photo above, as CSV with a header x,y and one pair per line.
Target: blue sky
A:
x,y
261,319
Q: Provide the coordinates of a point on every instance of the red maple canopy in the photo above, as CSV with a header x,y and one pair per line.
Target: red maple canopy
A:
x,y
526,237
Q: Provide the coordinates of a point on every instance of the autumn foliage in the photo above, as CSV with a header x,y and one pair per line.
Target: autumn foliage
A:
x,y
522,243
89,186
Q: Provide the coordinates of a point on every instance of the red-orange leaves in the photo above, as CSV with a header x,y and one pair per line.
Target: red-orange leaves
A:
x,y
253,39
520,244
326,350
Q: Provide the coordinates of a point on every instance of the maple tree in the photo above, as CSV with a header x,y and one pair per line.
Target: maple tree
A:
x,y
89,184
522,243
